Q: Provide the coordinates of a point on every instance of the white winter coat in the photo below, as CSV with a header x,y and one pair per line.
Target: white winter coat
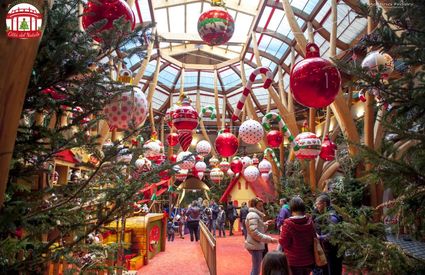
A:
x,y
256,228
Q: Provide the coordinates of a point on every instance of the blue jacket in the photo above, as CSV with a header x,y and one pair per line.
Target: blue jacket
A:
x,y
284,213
214,210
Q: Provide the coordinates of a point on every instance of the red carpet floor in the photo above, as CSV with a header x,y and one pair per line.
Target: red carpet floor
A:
x,y
183,257
232,257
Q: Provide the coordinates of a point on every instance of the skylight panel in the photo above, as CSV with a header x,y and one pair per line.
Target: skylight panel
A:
x,y
311,4
207,80
229,79
281,51
191,79
193,13
323,11
276,19
265,40
162,22
167,76
176,14
243,24
300,4
150,68
274,47
264,17
284,27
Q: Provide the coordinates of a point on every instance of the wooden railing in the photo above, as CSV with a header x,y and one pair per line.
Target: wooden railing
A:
x,y
208,247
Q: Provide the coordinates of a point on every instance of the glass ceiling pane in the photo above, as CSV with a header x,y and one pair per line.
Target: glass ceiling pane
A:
x,y
311,4
167,76
207,80
264,17
191,79
276,19
323,11
177,15
242,26
194,11
161,14
150,68
230,79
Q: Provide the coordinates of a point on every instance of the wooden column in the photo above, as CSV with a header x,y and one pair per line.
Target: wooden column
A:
x,y
290,98
216,98
223,112
369,118
312,123
16,62
170,148
282,92
144,64
152,88
296,30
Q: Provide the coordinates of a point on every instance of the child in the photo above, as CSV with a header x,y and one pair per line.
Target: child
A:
x,y
221,221
171,229
275,263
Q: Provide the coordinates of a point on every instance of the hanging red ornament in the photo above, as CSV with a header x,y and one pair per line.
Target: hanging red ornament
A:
x,y
199,158
185,119
173,139
109,11
226,143
255,160
314,81
274,138
216,175
236,166
216,26
328,149
169,116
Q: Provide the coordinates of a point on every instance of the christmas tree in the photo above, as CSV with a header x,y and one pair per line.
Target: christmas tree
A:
x,y
70,85
24,25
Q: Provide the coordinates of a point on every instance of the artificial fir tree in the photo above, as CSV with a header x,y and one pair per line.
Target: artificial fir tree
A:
x,y
24,25
54,222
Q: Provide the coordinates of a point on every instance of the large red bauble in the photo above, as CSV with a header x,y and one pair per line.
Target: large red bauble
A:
x,y
226,144
236,166
314,81
216,27
274,138
185,117
173,139
328,149
109,10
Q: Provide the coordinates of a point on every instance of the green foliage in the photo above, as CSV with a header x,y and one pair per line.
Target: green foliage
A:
x,y
53,223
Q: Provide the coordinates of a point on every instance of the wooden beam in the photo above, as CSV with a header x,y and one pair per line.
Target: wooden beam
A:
x,y
152,88
216,98
144,64
296,30
282,92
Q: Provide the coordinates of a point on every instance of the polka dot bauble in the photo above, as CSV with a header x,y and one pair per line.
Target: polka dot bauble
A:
x,y
264,166
188,160
181,175
127,111
251,131
203,148
251,173
201,166
246,161
309,144
153,149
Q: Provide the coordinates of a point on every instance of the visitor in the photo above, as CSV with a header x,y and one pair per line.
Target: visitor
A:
x,y
242,217
256,240
214,212
180,218
193,215
171,229
324,214
232,215
221,221
275,263
297,238
284,213
206,213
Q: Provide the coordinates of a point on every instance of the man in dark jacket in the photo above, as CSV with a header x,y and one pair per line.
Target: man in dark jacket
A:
x,y
193,215
324,215
242,217
231,216
214,213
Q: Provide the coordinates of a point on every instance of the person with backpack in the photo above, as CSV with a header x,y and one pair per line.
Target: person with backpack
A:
x,y
221,221
171,229
324,215
214,212
232,215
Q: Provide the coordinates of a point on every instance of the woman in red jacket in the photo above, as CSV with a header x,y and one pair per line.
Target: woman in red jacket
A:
x,y
297,239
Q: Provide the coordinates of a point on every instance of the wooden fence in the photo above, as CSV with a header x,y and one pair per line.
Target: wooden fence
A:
x,y
208,246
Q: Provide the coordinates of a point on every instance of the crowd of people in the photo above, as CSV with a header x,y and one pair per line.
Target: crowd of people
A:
x,y
298,230
216,217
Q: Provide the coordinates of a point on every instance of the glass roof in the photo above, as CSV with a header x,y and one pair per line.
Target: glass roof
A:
x,y
176,26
